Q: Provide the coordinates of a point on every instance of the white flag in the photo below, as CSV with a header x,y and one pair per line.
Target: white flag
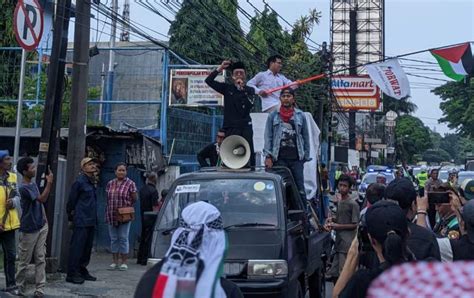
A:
x,y
390,78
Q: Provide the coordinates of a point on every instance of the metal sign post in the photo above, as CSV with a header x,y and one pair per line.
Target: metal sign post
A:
x,y
28,26
19,110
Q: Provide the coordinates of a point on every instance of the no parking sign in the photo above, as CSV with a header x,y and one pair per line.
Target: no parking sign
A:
x,y
28,23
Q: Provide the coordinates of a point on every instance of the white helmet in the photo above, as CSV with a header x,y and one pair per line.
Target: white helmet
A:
x,y
424,168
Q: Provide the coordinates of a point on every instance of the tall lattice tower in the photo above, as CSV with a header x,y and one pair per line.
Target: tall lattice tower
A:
x,y
125,35
367,17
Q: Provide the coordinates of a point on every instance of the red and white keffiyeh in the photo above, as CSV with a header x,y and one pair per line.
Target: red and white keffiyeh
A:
x,y
423,279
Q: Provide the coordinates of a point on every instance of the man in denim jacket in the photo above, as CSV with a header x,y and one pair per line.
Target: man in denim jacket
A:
x,y
287,139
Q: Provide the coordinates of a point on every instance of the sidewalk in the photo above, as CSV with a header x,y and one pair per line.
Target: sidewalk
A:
x,y
108,284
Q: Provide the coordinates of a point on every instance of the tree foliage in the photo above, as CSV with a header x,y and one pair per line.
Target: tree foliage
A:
x,y
457,146
412,137
400,106
457,106
9,59
208,31
436,156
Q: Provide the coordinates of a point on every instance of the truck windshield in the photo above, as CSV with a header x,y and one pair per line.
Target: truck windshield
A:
x,y
242,202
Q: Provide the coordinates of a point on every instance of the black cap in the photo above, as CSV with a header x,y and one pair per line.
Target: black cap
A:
x,y
402,191
288,90
384,217
237,65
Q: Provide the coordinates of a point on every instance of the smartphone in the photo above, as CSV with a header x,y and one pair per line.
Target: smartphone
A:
x,y
438,197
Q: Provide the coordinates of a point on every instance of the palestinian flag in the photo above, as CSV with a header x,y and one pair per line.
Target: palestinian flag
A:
x,y
456,62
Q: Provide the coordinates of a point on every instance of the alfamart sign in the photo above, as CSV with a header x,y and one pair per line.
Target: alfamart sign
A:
x,y
356,92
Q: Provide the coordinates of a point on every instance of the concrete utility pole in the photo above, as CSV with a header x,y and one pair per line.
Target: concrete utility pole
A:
x,y
49,142
110,73
78,113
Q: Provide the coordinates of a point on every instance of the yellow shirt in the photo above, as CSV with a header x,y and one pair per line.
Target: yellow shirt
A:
x,y
12,221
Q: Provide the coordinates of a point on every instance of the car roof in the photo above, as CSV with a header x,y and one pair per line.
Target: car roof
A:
x,y
218,173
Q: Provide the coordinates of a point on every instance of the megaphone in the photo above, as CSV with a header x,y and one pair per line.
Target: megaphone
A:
x,y
235,152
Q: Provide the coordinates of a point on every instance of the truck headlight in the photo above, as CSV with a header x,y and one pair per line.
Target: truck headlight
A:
x,y
267,268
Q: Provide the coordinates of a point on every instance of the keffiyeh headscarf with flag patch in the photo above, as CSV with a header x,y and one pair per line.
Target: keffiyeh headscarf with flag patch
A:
x,y
193,264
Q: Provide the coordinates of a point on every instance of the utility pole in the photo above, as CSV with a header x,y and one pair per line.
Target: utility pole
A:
x,y
77,119
352,71
110,73
49,142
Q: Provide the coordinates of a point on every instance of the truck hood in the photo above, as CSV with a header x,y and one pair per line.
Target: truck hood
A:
x,y
245,244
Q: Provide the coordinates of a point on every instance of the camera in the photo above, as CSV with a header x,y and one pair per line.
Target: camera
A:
x,y
438,197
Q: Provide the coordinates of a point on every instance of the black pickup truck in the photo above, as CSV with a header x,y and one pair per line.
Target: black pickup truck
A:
x,y
272,249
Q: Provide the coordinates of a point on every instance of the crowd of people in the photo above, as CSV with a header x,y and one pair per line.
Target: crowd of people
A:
x,y
394,228
22,208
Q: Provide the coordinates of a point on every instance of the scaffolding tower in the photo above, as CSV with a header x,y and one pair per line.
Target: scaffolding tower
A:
x,y
369,21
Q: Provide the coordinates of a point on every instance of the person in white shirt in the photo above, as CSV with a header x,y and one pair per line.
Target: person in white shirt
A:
x,y
268,79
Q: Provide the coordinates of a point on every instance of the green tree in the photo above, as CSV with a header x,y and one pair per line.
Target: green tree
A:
x,y
208,31
412,137
9,59
436,156
400,106
457,106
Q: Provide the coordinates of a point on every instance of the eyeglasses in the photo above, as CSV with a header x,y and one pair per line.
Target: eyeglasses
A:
x,y
220,137
238,73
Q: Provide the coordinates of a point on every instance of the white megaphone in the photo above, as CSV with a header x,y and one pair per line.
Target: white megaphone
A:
x,y
235,152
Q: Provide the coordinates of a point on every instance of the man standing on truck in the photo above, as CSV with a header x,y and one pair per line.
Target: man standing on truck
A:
x,y
238,101
287,139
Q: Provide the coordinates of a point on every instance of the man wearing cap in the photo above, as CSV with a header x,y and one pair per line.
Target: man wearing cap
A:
x,y
9,219
238,101
287,139
381,179
82,214
420,241
467,189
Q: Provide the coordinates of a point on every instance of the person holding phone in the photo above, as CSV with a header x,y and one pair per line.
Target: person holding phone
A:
x,y
447,224
33,226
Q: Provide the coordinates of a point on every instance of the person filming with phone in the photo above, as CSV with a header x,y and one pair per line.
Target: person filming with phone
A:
x,y
462,247
447,224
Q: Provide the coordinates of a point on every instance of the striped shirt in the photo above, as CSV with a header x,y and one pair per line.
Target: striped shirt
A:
x,y
119,195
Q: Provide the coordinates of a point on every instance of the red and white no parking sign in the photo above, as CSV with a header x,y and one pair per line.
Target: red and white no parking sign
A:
x,y
28,23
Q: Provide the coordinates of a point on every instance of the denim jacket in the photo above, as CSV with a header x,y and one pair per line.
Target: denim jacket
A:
x,y
273,133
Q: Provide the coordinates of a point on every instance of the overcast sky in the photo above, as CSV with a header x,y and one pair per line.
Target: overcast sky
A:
x,y
410,25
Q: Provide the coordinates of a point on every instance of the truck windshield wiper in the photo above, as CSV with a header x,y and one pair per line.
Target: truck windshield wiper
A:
x,y
250,224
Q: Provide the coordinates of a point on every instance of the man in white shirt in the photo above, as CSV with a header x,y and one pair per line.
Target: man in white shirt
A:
x,y
268,79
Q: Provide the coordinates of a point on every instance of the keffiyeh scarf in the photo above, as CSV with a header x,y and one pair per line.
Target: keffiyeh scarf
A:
x,y
194,262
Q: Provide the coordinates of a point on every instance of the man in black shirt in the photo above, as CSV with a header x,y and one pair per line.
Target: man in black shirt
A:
x,y
421,242
148,199
211,151
238,101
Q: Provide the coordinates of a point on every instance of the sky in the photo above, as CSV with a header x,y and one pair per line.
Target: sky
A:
x,y
410,25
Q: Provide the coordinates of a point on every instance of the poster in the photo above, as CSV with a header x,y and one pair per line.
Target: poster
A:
x,y
188,88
